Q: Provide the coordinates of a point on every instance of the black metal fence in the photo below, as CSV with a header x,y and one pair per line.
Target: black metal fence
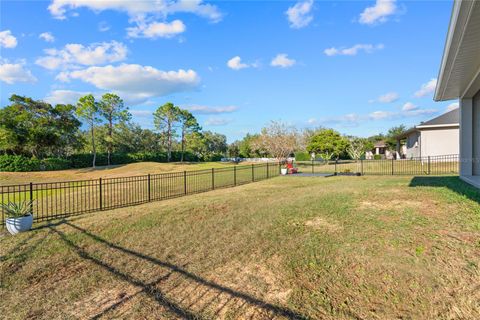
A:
x,y
53,200
434,165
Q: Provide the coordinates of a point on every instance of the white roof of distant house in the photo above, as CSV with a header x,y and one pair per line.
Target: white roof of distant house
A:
x,y
460,69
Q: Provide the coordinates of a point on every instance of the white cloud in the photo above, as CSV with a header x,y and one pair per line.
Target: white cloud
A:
x,y
312,121
138,10
236,63
217,121
379,13
387,98
64,96
408,110
47,36
142,113
211,110
352,51
135,83
453,106
409,107
282,61
156,29
7,40
427,88
300,15
74,54
12,73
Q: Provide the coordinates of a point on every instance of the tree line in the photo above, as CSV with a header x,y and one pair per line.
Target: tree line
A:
x,y
279,140
36,129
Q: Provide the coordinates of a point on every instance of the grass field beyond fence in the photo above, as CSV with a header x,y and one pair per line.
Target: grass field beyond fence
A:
x,y
52,200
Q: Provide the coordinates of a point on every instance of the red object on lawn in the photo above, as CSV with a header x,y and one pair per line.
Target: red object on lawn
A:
x,y
291,169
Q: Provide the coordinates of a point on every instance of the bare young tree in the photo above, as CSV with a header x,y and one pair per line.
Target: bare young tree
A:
x,y
278,139
357,147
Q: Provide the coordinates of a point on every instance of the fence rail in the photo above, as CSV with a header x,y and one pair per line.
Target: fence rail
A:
x,y
53,200
434,165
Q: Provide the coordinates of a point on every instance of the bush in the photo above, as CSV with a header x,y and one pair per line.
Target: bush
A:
x,y
302,156
377,157
51,164
19,163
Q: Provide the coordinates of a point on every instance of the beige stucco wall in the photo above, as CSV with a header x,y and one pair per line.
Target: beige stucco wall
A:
x,y
438,142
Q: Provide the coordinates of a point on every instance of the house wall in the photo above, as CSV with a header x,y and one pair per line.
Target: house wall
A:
x,y
412,145
476,134
439,142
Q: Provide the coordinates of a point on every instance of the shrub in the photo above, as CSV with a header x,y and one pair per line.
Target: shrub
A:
x,y
51,164
302,156
377,157
17,210
19,163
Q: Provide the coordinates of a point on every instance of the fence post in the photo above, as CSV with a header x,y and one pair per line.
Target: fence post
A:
x,y
429,165
149,192
185,182
213,179
313,166
361,167
268,174
392,166
253,174
31,198
100,190
336,160
235,176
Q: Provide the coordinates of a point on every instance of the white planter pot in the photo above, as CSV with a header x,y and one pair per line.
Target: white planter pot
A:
x,y
16,225
284,171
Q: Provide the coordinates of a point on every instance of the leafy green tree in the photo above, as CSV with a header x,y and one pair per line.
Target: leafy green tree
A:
x,y
328,143
207,145
88,110
233,150
392,133
165,119
113,110
36,128
188,124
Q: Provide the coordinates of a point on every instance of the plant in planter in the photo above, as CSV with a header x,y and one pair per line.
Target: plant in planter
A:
x,y
19,216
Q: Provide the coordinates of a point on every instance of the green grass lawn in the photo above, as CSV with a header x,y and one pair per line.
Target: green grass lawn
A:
x,y
289,247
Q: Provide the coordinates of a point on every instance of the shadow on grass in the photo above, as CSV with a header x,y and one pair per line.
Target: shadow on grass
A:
x,y
453,183
174,304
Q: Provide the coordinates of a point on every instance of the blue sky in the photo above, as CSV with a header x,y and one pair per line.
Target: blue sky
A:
x,y
360,67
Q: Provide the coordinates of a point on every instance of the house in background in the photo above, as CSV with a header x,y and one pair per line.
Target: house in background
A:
x,y
459,78
380,148
436,137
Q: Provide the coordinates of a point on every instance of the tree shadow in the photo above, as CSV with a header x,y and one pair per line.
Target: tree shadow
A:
x,y
453,183
179,303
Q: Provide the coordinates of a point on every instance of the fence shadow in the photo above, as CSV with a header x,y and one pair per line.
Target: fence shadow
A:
x,y
188,304
453,183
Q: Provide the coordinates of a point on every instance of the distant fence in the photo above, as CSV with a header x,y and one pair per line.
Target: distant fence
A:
x,y
53,200
434,165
